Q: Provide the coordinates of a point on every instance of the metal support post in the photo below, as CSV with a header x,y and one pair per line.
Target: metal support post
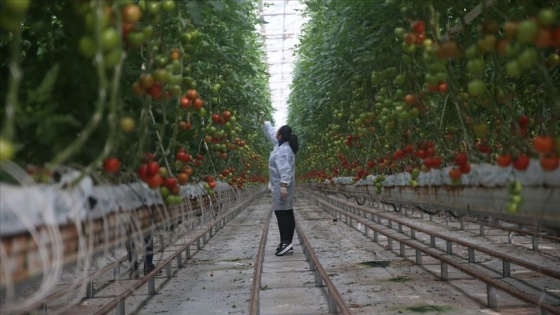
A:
x,y
89,289
491,293
471,256
418,257
444,273
506,269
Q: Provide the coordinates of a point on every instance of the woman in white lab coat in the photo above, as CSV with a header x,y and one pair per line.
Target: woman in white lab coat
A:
x,y
282,168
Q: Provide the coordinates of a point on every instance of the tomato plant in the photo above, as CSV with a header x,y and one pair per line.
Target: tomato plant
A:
x,y
368,96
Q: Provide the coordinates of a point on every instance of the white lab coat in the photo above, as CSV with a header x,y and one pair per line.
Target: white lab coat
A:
x,y
282,169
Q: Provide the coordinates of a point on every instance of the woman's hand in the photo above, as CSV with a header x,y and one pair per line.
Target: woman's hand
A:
x,y
283,192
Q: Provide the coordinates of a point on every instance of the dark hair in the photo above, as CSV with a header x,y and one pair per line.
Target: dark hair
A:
x,y
287,135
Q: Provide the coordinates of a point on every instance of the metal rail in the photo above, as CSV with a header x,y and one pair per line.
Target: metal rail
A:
x,y
333,296
540,205
473,247
199,239
492,284
177,255
254,304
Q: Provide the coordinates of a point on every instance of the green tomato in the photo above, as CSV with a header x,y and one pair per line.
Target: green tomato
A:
x,y
547,17
7,150
512,207
475,66
526,31
168,5
161,75
527,58
153,7
148,32
164,191
476,87
513,69
399,32
87,46
109,39
112,58
16,6
135,39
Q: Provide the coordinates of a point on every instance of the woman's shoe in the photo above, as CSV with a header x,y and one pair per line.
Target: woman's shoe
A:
x,y
285,248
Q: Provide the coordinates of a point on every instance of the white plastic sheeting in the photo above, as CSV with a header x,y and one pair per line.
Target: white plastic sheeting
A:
x,y
24,207
484,175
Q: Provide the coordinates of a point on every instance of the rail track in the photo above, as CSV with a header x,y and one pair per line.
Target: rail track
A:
x,y
334,268
176,237
453,251
492,219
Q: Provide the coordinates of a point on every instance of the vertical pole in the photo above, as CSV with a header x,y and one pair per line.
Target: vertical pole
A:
x,y
491,293
444,273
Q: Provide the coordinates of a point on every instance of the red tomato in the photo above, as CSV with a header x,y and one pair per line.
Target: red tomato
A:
x,y
170,182
227,115
111,165
543,144
442,87
188,170
216,118
521,163
155,91
410,99
155,181
192,94
455,173
183,178
409,149
182,156
143,171
503,160
436,162
523,121
465,168
419,26
549,162
185,102
153,168
461,158
198,103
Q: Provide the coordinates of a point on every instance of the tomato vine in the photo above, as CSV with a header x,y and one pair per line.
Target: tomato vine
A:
x,y
438,80
93,83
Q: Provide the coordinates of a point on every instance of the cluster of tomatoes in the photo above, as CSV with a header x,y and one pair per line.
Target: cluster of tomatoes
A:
x,y
209,184
461,166
547,149
102,30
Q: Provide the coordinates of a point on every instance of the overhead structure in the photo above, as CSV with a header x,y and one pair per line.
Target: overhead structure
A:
x,y
281,34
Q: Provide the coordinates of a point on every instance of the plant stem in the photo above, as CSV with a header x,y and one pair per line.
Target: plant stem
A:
x,y
97,116
13,85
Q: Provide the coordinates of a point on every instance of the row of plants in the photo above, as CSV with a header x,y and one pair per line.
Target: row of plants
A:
x,y
160,91
404,94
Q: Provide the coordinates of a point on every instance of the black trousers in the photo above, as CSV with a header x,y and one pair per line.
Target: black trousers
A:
x,y
286,224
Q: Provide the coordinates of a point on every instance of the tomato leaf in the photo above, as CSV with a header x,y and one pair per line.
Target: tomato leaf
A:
x,y
44,90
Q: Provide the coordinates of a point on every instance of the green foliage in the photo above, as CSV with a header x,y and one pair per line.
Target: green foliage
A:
x,y
69,105
360,61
